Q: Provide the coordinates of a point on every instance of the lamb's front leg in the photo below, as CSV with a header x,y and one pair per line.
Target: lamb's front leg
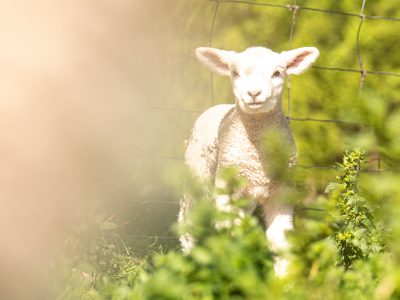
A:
x,y
186,240
225,203
278,219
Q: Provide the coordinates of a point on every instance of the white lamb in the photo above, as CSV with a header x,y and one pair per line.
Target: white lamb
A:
x,y
231,134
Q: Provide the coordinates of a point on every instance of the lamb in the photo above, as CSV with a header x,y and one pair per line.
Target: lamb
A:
x,y
231,134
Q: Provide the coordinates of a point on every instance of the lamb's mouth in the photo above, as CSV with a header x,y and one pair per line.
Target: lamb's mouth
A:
x,y
255,104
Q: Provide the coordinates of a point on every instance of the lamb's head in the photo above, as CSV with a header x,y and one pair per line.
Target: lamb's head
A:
x,y
258,73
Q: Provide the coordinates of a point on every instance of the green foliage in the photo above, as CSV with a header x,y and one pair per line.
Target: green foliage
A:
x,y
338,244
278,155
354,232
94,257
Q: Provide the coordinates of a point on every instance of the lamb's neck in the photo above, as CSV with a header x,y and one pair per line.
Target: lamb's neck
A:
x,y
261,120
256,125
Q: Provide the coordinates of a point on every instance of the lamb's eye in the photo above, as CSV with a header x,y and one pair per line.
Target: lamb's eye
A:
x,y
235,74
276,74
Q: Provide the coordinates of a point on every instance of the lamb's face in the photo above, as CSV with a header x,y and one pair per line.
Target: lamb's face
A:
x,y
258,74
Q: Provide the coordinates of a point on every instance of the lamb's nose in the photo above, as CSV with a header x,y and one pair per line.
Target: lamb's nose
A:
x,y
254,94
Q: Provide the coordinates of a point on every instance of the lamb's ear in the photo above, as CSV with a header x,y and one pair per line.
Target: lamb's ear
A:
x,y
298,60
217,60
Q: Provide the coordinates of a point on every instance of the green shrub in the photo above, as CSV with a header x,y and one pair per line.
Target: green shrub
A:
x,y
355,232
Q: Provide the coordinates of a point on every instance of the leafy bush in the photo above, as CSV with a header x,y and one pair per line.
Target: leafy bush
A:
x,y
338,249
355,233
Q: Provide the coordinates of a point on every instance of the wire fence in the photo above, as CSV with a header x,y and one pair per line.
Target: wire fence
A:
x,y
294,9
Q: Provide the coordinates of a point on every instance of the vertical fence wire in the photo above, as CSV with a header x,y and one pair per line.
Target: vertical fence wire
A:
x,y
210,43
358,50
294,9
